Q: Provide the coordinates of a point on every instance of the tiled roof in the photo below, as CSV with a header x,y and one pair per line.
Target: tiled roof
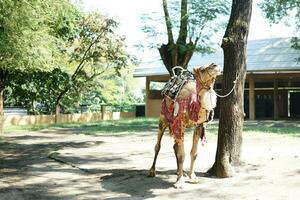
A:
x,y
266,55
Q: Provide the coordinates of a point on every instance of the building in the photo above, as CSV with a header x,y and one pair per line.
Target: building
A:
x,y
272,88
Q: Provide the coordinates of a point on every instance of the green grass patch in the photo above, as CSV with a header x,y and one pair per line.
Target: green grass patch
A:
x,y
141,125
291,128
109,127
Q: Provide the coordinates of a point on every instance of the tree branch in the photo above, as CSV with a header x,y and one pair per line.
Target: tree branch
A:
x,y
168,22
82,60
183,23
79,67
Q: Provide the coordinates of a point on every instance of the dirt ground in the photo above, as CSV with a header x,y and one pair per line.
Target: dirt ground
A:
x,y
64,164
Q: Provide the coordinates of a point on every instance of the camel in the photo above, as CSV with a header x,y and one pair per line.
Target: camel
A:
x,y
193,107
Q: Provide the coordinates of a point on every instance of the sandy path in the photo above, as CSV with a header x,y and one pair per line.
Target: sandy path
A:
x,y
114,167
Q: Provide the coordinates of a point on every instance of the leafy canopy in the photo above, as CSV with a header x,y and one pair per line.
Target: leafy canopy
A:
x,y
278,10
205,18
49,47
283,10
28,30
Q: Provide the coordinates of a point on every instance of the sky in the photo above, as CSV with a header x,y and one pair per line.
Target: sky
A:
x,y
128,13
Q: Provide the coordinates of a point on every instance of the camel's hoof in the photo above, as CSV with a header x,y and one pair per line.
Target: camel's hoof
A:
x,y
193,179
179,183
151,173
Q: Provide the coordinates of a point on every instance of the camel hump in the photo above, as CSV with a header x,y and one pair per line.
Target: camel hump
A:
x,y
187,90
175,84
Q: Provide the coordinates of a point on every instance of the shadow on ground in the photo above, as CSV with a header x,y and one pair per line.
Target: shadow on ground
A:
x,y
134,183
25,165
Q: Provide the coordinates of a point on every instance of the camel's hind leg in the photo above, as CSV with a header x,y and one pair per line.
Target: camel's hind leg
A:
x,y
161,130
180,155
194,151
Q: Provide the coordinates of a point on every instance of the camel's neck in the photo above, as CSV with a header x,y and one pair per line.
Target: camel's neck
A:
x,y
199,86
203,85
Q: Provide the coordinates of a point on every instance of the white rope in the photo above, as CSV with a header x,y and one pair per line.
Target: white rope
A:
x,y
218,95
226,95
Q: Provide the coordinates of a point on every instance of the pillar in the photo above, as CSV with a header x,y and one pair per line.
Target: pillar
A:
x,y
276,115
147,96
251,98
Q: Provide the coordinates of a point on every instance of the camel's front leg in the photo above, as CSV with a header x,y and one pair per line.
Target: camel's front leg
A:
x,y
179,153
194,151
161,130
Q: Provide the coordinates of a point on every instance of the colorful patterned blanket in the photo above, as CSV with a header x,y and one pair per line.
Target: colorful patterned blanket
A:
x,y
179,112
173,87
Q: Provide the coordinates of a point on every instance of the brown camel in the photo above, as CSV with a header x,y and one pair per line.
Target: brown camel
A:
x,y
193,107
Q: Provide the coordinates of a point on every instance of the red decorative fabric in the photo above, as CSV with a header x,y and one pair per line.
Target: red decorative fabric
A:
x,y
177,128
190,106
167,111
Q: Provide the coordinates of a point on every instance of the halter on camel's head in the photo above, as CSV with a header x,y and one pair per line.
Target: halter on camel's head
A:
x,y
207,75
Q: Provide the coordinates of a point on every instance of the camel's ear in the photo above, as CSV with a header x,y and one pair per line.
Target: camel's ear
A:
x,y
195,70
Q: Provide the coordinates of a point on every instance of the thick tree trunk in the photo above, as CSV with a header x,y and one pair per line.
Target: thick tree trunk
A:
x,y
172,56
179,53
232,107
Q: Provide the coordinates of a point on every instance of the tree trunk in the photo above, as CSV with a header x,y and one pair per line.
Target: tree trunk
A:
x,y
33,106
57,103
179,53
57,112
1,109
183,23
232,107
3,77
172,56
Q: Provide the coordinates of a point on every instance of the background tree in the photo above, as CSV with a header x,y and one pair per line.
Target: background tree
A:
x,y
26,39
283,10
198,20
37,90
95,49
231,108
117,91
51,54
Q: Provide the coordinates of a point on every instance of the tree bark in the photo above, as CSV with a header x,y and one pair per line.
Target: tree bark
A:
x,y
3,77
1,110
183,23
57,112
168,22
232,107
57,104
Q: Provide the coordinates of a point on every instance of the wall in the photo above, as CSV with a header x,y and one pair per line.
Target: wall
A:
x,y
262,84
64,118
153,107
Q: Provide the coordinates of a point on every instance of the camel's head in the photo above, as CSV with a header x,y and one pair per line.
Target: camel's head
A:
x,y
207,74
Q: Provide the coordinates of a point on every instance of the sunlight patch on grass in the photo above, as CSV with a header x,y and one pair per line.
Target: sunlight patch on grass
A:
x,y
142,125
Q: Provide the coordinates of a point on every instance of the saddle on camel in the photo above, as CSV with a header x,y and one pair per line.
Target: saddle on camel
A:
x,y
189,100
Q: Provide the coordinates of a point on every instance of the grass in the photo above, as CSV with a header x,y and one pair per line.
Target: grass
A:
x,y
291,128
109,127
141,125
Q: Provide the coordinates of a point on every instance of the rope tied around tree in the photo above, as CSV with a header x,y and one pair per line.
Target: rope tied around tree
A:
x,y
234,84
